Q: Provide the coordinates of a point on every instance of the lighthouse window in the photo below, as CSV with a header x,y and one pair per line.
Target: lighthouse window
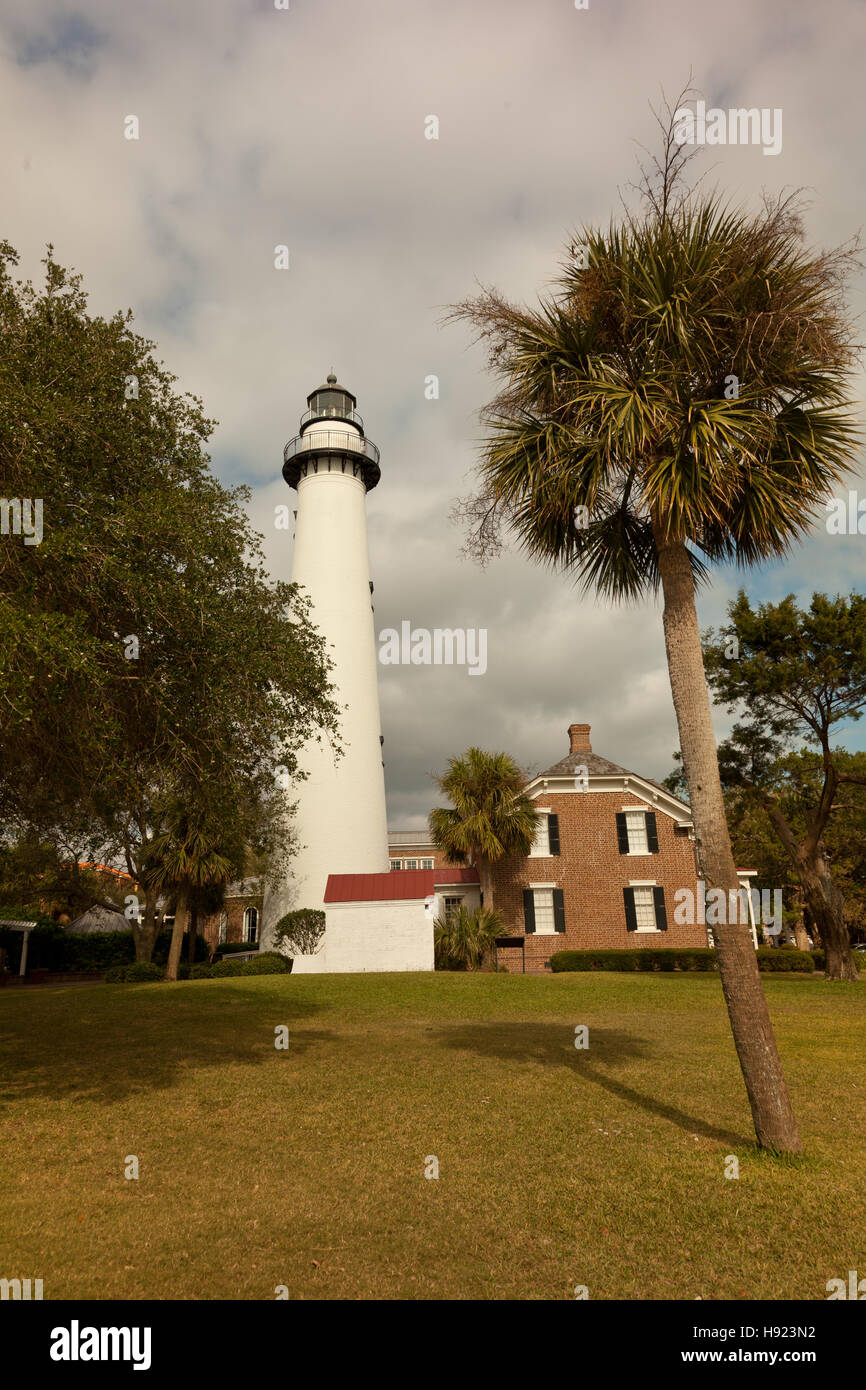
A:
x,y
330,403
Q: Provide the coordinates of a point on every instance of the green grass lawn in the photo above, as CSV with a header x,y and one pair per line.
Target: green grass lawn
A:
x,y
305,1167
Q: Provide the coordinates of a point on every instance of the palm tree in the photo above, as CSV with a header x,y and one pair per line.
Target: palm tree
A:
x,y
682,398
185,860
490,816
463,939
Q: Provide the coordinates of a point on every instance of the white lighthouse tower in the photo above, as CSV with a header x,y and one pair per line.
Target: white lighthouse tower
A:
x,y
341,820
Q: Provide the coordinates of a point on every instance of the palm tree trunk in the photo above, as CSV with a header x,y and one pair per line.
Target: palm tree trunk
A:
x,y
193,932
485,882
180,918
754,1040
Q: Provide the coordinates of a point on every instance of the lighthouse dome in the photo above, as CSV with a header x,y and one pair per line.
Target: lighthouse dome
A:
x,y
332,401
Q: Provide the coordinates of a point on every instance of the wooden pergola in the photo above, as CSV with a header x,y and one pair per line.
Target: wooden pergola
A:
x,y
16,924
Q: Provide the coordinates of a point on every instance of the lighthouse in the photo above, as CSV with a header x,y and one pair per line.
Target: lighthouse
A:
x,y
341,820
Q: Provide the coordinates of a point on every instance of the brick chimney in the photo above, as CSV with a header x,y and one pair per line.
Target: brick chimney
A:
x,y
578,735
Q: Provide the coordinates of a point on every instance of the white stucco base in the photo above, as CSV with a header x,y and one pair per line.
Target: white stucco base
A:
x,y
365,937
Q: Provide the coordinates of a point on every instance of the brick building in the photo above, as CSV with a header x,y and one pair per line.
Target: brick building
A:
x,y
240,918
611,851
413,850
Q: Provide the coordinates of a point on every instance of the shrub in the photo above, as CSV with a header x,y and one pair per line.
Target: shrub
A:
x,y
201,972
772,958
222,968
268,964
647,958
300,932
142,971
462,940
229,947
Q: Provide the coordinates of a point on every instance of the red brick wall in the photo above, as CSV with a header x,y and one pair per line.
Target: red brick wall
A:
x,y
234,910
592,874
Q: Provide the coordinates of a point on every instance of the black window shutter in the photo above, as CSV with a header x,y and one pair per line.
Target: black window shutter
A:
x,y
558,910
622,832
553,834
661,914
528,910
630,914
652,833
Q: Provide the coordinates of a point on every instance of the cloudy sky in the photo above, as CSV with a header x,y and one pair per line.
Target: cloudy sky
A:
x,y
306,127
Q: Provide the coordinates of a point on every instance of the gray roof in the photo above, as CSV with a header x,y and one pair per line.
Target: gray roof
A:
x,y
98,919
595,765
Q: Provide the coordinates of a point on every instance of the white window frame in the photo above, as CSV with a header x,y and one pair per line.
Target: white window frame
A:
x,y
646,883
451,904
395,865
542,835
633,811
410,864
246,930
223,931
427,863
548,888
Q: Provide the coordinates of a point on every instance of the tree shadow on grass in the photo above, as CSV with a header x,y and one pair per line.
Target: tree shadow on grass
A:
x,y
140,1039
551,1044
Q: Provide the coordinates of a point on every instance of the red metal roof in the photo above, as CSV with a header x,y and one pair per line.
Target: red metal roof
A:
x,y
380,888
454,873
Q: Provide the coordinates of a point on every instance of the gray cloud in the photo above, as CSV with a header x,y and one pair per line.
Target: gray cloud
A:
x,y
306,127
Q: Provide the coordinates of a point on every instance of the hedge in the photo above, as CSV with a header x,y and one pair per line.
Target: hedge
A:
x,y
54,948
222,968
271,963
648,958
774,958
140,972
702,958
